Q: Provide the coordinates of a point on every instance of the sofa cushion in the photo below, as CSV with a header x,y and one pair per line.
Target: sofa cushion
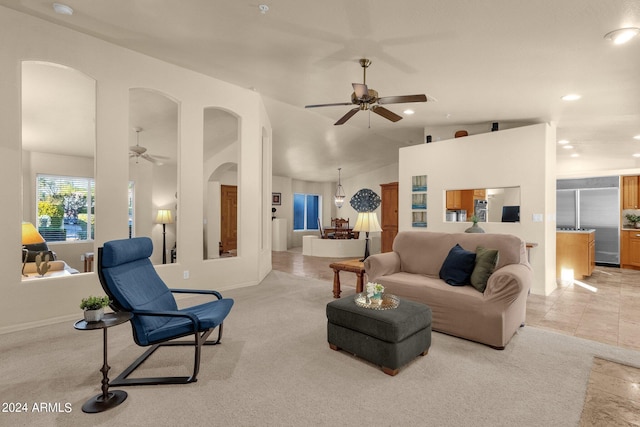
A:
x,y
485,264
458,266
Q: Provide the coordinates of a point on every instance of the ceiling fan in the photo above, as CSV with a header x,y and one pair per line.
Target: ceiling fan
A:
x,y
139,151
367,99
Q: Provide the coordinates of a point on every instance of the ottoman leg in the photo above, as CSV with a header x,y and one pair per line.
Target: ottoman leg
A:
x,y
424,353
389,371
334,347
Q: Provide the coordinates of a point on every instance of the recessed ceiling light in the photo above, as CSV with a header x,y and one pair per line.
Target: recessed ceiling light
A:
x,y
567,147
575,155
637,137
409,112
62,9
636,155
563,142
263,9
571,97
622,35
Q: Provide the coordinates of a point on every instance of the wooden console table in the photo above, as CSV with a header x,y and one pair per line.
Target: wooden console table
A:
x,y
354,266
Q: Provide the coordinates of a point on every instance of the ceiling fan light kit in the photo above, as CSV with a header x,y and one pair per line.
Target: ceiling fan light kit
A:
x,y
368,99
622,35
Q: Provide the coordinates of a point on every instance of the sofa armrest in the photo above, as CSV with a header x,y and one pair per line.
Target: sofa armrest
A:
x,y
509,282
379,265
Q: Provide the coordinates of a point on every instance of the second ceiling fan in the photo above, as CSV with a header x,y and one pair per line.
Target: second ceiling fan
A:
x,y
367,99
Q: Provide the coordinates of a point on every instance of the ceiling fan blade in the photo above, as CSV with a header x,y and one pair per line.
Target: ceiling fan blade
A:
x,y
402,99
347,116
361,91
328,105
387,114
151,159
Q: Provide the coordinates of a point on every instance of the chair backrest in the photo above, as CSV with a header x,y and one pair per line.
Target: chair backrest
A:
x,y
322,236
132,283
341,223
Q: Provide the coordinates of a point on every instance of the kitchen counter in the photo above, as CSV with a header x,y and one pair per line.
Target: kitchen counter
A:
x,y
575,253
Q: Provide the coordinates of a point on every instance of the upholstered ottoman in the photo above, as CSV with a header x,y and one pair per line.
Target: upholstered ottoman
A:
x,y
389,338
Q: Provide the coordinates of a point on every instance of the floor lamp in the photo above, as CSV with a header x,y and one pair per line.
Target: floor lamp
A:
x,y
366,221
164,218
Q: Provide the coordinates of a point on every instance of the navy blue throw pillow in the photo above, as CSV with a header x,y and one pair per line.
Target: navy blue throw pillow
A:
x,y
458,266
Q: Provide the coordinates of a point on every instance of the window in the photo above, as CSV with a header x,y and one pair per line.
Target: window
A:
x,y
306,209
65,207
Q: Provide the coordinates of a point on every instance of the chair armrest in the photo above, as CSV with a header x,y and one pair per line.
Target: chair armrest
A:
x,y
379,265
196,291
508,283
190,316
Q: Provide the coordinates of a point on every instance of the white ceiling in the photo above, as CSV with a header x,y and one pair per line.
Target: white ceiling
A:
x,y
506,61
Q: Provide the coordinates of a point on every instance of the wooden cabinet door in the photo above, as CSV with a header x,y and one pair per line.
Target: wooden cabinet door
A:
x,y
630,192
389,220
592,255
454,199
634,248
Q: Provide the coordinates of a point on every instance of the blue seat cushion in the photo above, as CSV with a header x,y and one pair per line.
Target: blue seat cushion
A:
x,y
209,314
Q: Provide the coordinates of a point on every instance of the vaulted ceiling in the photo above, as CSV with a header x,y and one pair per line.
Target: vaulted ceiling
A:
x,y
505,61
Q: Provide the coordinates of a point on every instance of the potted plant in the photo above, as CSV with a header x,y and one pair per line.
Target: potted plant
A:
x,y
633,219
94,307
474,228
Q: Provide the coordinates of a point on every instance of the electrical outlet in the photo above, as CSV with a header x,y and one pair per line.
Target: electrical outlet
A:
x,y
185,274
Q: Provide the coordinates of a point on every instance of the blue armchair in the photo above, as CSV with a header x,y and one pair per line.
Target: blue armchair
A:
x,y
133,285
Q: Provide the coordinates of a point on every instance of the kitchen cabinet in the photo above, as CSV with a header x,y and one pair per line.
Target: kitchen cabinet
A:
x,y
464,199
630,249
389,220
576,250
454,199
630,190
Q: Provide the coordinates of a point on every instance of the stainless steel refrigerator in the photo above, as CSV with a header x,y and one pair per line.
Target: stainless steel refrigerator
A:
x,y
592,203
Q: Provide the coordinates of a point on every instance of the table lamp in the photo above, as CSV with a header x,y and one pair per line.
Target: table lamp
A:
x,y
164,218
30,236
367,221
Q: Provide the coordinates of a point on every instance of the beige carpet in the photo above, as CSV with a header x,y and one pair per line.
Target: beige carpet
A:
x,y
274,368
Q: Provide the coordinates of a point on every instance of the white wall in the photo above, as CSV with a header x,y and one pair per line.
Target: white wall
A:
x,y
116,70
523,157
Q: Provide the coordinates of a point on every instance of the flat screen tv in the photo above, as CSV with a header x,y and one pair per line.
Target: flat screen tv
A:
x,y
511,214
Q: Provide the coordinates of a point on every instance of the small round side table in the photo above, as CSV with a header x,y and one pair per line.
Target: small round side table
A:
x,y
107,399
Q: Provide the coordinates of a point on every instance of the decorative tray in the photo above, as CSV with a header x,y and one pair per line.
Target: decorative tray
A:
x,y
388,302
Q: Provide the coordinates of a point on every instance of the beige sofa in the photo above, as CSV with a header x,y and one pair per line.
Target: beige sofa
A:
x,y
491,317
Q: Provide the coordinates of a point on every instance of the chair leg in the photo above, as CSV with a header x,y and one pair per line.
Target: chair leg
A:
x,y
199,341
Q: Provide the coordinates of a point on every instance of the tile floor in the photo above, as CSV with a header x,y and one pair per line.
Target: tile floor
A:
x,y
610,315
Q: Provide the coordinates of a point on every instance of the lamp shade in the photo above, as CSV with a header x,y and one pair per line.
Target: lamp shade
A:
x,y
30,235
367,222
164,217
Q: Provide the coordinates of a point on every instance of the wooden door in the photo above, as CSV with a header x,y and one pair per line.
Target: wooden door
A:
x,y
228,218
389,220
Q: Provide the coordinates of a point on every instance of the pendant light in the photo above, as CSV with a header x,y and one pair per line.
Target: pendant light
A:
x,y
338,199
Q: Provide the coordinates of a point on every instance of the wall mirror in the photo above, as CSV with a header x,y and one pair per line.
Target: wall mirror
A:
x,y
153,171
498,204
221,148
58,149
